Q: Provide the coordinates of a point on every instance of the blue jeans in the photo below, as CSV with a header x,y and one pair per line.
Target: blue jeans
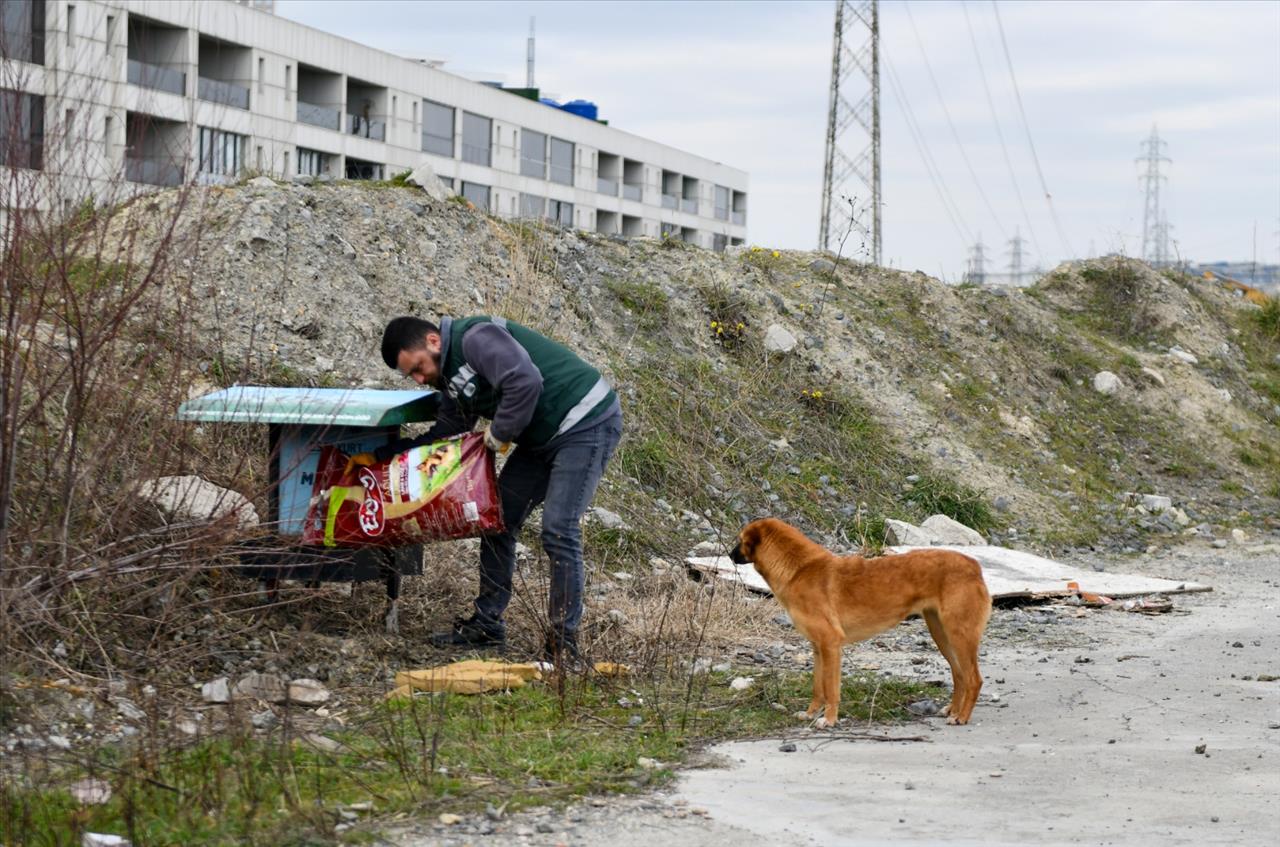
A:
x,y
563,477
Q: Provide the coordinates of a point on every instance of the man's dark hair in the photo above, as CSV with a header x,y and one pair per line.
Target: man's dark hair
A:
x,y
404,333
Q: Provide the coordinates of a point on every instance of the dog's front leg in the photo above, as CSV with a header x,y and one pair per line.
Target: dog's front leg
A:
x,y
817,701
830,650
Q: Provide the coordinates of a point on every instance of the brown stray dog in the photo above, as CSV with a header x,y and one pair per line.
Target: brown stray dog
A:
x,y
836,600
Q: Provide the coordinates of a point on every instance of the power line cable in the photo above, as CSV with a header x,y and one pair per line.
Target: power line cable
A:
x,y
995,118
922,147
937,90
1048,198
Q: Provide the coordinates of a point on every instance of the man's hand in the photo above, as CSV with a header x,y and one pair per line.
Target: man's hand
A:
x,y
360,459
494,444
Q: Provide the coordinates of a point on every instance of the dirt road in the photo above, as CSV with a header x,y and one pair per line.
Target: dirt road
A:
x,y
1087,734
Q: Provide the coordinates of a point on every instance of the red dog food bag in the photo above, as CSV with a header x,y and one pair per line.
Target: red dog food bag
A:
x,y
439,491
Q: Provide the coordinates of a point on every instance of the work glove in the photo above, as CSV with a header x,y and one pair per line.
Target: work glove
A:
x,y
494,444
359,459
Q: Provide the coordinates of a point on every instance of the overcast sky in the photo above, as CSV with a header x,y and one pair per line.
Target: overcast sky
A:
x,y
746,83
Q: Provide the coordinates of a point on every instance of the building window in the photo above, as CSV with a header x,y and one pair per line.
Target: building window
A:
x,y
258,159
360,169
562,161
437,129
286,163
21,129
719,242
476,193
312,162
22,31
71,25
561,212
533,154
415,114
532,206
221,153
395,107
108,143
476,144
262,75
111,35
288,82
722,203
447,180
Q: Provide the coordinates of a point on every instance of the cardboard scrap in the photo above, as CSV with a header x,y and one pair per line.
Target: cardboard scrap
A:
x,y
1008,573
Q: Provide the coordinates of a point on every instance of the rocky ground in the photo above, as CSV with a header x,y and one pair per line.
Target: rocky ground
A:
x,y
1105,378
1095,727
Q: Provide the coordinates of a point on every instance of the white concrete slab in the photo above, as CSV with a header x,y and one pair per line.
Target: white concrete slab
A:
x,y
1008,573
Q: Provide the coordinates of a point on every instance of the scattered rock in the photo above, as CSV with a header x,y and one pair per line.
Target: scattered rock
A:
x,y
778,339
1105,382
90,791
263,182
787,747
424,176
607,519
1155,503
129,710
944,530
261,686
742,683
190,499
216,691
923,708
449,819
901,533
307,692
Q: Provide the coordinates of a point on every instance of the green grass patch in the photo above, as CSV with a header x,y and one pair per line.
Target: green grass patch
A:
x,y
536,745
645,299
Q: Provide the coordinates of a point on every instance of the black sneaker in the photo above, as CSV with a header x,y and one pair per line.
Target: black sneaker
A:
x,y
561,650
472,633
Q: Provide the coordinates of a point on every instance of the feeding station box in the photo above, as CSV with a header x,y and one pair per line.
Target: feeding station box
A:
x,y
299,422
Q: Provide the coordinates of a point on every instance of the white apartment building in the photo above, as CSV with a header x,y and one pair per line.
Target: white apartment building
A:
x,y
158,92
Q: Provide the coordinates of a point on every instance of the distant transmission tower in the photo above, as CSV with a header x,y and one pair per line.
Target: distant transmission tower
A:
x,y
1155,229
977,273
1015,257
840,169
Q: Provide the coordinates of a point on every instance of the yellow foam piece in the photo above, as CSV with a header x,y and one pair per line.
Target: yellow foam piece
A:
x,y
474,676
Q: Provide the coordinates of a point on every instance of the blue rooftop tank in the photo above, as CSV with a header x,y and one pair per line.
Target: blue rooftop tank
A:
x,y
582,108
547,101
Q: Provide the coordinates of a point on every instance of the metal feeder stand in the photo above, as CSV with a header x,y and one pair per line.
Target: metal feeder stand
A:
x,y
300,421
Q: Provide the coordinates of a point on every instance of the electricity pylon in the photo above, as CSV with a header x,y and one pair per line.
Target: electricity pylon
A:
x,y
855,57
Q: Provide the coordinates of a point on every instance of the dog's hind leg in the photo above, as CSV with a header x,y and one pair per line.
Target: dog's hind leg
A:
x,y
962,630
939,632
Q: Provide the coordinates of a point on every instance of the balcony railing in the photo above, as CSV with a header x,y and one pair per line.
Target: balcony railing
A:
x,y
739,218
227,93
670,201
157,77
323,116
475,153
689,205
438,144
607,186
632,192
366,127
153,171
